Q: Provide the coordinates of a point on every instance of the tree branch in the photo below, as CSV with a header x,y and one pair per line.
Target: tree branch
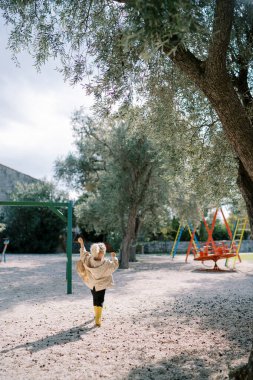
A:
x,y
90,133
222,25
145,184
243,60
243,87
187,62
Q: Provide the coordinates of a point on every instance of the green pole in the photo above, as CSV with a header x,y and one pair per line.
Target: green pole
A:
x,y
69,249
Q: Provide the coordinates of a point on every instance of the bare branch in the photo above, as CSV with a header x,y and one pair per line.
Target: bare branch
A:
x,y
91,133
199,128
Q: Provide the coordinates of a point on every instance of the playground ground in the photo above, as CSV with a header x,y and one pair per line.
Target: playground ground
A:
x,y
164,320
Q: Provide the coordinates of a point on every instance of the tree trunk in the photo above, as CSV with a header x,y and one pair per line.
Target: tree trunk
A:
x,y
244,372
234,119
213,79
246,187
128,238
132,256
238,130
218,88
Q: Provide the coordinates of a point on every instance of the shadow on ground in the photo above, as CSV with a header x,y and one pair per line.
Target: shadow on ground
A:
x,y
180,367
63,337
219,304
37,279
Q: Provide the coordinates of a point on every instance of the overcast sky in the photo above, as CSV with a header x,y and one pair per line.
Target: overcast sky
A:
x,y
35,111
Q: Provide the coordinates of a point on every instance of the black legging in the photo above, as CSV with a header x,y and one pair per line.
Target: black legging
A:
x,y
98,297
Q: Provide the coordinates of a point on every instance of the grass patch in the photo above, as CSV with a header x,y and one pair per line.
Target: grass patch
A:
x,y
247,256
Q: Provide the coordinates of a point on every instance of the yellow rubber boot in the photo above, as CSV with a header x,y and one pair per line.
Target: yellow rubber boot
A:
x,y
98,315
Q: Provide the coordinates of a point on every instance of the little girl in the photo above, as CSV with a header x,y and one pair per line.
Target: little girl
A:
x,y
96,272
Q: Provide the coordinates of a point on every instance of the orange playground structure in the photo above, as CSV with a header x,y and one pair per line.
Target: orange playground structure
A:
x,y
212,251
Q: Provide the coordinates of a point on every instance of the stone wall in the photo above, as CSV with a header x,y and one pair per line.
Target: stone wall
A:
x,y
8,180
166,246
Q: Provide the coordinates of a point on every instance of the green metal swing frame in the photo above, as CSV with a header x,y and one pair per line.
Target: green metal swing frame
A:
x,y
54,206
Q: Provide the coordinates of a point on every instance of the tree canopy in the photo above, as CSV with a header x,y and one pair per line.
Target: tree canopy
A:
x,y
125,51
121,174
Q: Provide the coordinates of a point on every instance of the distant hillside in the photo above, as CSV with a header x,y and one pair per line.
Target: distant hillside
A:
x,y
8,179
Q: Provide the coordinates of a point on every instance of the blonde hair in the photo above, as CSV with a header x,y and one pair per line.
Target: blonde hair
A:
x,y
102,248
96,248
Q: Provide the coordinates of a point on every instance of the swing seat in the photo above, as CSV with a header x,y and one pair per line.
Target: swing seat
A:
x,y
215,257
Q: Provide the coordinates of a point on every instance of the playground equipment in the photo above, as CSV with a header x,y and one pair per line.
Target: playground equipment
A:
x,y
192,245
180,230
54,206
222,254
177,240
6,242
240,227
211,250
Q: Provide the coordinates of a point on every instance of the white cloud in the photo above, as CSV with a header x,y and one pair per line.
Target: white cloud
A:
x,y
35,111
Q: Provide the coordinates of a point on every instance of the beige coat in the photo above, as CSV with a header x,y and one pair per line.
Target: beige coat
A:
x,y
96,273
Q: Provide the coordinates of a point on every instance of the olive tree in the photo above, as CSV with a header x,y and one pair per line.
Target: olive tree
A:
x,y
121,176
33,229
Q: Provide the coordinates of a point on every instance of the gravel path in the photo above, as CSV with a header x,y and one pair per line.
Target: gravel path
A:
x,y
163,320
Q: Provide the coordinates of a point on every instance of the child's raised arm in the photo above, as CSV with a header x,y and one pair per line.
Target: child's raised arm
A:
x,y
82,248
